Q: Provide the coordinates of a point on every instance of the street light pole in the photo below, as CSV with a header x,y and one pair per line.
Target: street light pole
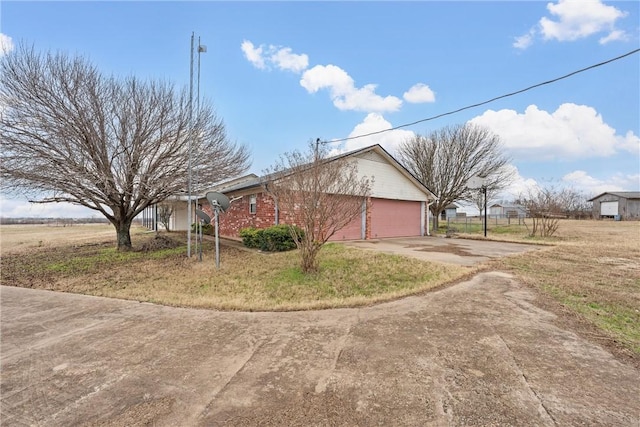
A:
x,y
484,192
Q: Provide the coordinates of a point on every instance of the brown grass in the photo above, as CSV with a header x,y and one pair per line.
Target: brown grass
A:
x,y
247,280
21,238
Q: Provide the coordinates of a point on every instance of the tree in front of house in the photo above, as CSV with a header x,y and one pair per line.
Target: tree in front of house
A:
x,y
164,213
319,194
446,159
70,133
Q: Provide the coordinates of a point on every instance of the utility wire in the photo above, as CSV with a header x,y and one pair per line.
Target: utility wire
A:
x,y
582,70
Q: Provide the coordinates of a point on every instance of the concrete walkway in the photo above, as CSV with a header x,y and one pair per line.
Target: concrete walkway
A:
x,y
477,353
465,252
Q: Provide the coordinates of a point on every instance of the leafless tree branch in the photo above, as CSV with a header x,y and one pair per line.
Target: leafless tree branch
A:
x,y
446,159
71,134
318,194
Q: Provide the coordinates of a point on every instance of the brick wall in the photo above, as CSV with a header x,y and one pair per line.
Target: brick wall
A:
x,y
239,217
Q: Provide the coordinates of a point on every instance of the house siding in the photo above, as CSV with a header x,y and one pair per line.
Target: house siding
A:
x,y
388,183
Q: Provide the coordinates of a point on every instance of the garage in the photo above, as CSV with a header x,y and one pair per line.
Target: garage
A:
x,y
352,231
395,218
609,208
621,205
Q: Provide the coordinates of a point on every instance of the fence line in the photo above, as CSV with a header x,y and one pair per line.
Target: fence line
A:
x,y
476,223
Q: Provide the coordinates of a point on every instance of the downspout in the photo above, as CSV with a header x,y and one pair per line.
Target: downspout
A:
x,y
429,215
428,224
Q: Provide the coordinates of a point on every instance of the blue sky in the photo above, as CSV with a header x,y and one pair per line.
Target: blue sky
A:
x,y
283,73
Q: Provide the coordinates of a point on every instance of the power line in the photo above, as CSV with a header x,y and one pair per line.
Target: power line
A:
x,y
582,70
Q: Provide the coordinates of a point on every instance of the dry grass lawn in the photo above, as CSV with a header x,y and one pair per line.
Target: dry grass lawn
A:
x,y
247,280
21,238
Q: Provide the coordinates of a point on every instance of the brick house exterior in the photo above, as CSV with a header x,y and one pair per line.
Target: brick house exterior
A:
x,y
397,207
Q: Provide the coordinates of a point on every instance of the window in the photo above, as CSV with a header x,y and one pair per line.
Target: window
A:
x,y
252,204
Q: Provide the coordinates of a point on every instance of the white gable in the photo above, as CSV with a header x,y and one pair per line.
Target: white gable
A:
x,y
388,181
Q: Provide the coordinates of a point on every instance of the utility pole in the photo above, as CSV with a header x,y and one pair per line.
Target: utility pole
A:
x,y
189,214
201,49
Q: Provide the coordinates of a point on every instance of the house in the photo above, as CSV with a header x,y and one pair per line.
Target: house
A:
x,y
507,210
396,207
450,211
624,205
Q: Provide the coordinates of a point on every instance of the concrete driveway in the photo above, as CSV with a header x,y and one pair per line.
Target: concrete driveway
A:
x,y
477,353
465,252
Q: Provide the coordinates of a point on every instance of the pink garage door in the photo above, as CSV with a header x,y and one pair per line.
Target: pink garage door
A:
x,y
395,218
352,231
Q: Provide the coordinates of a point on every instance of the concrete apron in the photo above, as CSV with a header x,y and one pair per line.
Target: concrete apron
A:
x,y
479,352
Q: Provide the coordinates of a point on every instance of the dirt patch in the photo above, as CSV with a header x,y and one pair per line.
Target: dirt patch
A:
x,y
448,249
159,242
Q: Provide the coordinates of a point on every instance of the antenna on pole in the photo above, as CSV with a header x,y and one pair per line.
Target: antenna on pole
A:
x,y
201,49
189,215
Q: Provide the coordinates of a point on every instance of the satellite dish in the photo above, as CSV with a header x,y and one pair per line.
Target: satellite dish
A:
x,y
218,200
203,216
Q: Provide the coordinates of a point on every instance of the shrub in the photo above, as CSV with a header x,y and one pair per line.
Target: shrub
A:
x,y
251,237
206,229
273,239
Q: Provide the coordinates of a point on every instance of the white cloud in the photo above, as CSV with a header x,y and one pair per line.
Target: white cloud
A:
x,y
344,94
282,58
519,186
525,40
576,19
571,132
419,93
615,35
629,142
582,181
375,122
6,44
253,54
285,59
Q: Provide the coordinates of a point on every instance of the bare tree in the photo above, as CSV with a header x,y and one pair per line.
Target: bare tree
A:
x,y
575,203
446,159
545,206
71,134
165,210
319,194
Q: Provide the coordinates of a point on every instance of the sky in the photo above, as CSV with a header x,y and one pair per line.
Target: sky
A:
x,y
281,74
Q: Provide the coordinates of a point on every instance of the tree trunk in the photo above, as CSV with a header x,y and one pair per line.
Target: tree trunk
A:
x,y
308,254
123,232
436,219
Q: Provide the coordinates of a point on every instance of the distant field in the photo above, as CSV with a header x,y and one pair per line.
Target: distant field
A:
x,y
17,238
